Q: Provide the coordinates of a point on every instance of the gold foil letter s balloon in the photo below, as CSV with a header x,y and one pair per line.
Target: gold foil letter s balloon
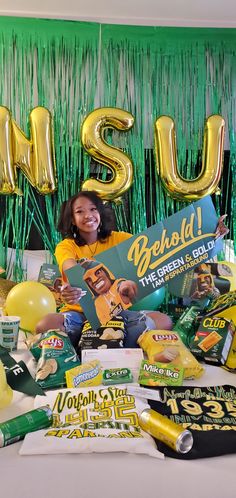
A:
x,y
212,162
35,157
92,137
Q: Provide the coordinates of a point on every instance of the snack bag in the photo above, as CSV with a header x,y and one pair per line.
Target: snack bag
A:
x,y
185,325
231,359
57,356
107,336
33,343
164,346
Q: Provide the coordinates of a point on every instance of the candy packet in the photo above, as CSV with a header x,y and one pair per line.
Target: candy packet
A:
x,y
86,375
160,374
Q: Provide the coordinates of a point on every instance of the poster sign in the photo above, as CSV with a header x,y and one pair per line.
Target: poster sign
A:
x,y
148,260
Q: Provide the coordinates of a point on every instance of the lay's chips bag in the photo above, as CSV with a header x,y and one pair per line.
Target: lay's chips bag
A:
x,y
55,355
165,346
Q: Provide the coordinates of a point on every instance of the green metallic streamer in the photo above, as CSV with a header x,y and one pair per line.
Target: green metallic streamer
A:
x,y
72,68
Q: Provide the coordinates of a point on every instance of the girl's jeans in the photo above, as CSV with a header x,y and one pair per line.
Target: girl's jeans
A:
x,y
135,323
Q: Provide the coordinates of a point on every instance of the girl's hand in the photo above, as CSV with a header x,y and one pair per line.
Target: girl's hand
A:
x,y
221,229
71,295
128,290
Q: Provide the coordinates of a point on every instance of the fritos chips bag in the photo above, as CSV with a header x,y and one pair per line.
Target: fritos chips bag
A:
x,y
166,347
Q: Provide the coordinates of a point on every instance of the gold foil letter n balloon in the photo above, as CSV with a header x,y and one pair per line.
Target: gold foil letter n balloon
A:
x,y
212,162
35,157
92,137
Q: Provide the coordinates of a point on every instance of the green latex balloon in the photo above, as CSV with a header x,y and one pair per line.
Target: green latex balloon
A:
x,y
151,302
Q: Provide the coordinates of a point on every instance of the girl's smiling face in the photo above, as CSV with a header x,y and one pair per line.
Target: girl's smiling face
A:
x,y
85,216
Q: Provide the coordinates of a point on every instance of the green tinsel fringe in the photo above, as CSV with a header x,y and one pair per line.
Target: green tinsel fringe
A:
x,y
72,68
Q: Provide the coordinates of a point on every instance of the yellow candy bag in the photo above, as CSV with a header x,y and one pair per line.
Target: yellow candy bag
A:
x,y
230,363
166,347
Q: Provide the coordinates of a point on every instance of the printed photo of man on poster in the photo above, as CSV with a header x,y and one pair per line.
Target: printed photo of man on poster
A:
x,y
111,295
139,266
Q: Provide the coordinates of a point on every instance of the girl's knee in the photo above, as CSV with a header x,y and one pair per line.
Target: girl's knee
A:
x,y
162,321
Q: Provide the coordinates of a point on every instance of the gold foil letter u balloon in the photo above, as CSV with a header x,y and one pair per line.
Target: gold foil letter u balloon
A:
x,y
92,137
212,159
35,157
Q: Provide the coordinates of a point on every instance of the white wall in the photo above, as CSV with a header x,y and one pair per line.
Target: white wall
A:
x,y
203,13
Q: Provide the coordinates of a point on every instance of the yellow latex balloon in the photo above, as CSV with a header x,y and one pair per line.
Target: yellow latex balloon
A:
x,y
92,137
31,301
212,164
35,157
6,392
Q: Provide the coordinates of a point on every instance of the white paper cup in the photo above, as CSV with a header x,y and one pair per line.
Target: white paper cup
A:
x,y
9,331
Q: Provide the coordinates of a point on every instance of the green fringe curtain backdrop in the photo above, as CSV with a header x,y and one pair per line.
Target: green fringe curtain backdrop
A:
x,y
72,68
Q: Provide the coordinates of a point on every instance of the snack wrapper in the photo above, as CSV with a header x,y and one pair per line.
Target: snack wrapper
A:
x,y
55,355
86,375
231,359
164,346
107,336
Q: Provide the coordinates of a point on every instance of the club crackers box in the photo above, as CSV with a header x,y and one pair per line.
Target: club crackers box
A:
x,y
213,339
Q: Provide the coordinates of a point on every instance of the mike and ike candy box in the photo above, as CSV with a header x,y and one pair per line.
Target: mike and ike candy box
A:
x,y
160,374
213,340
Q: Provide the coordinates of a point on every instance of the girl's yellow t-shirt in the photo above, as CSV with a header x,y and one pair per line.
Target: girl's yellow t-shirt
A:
x,y
67,249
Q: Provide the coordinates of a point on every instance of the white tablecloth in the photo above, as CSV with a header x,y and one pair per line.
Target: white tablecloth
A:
x,y
116,475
